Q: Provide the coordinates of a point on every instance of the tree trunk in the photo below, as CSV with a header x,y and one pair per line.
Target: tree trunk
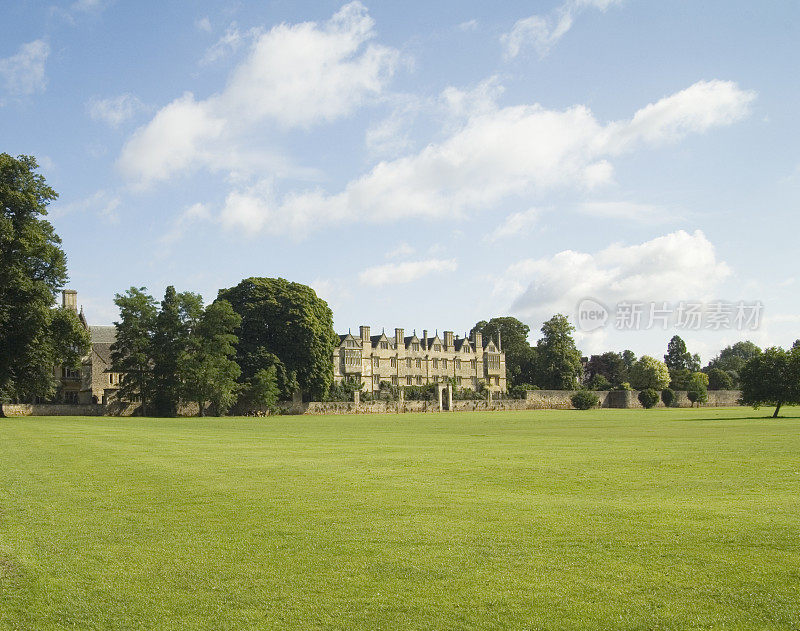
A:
x,y
201,407
777,409
2,412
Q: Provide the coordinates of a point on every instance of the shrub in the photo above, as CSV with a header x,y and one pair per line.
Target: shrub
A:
x,y
584,399
518,391
648,398
697,396
623,387
719,380
668,397
599,382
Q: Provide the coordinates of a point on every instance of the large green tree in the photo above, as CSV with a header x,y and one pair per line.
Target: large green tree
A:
x,y
176,320
649,373
132,353
513,336
34,337
208,372
558,360
772,378
679,358
609,366
285,325
732,359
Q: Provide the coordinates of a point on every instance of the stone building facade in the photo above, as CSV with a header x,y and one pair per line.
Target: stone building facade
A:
x,y
402,360
94,382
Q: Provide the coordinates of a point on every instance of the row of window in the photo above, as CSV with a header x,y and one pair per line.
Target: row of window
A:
x,y
414,346
418,380
376,363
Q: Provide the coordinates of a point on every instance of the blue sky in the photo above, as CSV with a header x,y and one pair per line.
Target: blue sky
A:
x,y
423,164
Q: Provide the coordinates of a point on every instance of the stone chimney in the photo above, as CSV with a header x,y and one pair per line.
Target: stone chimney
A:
x,y
398,337
448,339
477,339
364,333
424,339
69,299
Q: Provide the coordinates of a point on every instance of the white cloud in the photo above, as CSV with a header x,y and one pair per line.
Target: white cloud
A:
x,y
103,203
203,24
226,45
542,32
115,110
401,251
191,215
673,267
23,73
516,224
496,154
696,109
396,273
294,76
468,26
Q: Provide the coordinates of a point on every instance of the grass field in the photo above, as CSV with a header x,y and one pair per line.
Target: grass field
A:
x,y
664,519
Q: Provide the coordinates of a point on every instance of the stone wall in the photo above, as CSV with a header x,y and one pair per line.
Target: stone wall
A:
x,y
535,400
52,409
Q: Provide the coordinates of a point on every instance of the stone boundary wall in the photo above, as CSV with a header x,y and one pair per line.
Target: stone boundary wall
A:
x,y
535,400
53,409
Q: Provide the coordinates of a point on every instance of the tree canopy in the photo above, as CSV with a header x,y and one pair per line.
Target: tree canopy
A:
x,y
520,356
559,361
772,377
679,358
649,373
285,325
33,267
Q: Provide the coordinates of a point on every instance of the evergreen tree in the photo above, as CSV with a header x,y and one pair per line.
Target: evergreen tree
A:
x,y
678,358
205,365
559,361
173,326
34,337
132,353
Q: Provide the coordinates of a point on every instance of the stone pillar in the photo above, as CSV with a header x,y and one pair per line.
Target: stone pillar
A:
x,y
439,390
450,398
356,397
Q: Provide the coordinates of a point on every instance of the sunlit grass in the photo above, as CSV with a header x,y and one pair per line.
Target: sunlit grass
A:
x,y
661,519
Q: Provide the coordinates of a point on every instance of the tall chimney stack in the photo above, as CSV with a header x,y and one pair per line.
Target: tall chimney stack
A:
x,y
424,339
364,333
398,337
69,299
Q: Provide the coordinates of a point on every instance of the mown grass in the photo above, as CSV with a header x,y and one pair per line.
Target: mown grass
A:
x,y
661,519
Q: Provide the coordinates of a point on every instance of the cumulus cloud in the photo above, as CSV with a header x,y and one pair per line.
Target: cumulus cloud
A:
x,y
516,224
294,76
673,267
396,273
495,154
542,32
114,110
24,72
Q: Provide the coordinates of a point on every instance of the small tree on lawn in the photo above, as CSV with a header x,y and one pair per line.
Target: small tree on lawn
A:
x,y
772,378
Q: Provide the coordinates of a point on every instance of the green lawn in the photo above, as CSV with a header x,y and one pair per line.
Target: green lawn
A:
x,y
610,519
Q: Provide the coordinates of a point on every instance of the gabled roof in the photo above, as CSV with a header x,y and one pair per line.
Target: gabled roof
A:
x,y
377,339
489,345
459,344
434,340
103,334
410,338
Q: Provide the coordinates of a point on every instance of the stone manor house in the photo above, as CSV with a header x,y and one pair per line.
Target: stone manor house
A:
x,y
399,360
408,360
